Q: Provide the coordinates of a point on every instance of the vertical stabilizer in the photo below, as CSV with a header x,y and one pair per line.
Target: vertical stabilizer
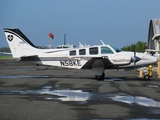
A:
x,y
19,44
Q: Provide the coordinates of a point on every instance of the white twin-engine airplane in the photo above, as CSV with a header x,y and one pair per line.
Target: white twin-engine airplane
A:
x,y
97,58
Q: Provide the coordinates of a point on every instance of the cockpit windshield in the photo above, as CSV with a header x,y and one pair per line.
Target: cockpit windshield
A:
x,y
116,49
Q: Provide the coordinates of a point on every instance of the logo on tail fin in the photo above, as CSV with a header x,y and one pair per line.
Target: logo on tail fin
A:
x,y
10,37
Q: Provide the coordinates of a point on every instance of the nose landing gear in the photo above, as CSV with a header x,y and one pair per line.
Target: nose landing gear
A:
x,y
146,77
146,73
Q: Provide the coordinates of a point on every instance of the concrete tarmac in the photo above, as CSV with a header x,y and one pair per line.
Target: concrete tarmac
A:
x,y
30,92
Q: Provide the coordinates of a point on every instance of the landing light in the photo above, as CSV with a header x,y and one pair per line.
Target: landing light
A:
x,y
105,57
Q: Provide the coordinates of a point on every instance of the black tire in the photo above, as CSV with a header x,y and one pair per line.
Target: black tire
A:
x,y
100,77
146,77
103,75
96,76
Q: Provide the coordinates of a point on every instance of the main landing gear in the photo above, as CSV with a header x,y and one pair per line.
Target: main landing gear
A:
x,y
98,69
100,77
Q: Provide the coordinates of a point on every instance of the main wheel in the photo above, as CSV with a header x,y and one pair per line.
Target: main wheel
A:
x,y
100,77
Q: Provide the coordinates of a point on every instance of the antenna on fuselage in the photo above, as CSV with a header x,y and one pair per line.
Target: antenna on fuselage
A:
x,y
64,39
80,45
102,42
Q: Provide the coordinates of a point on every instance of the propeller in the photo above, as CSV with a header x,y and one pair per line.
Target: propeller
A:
x,y
135,58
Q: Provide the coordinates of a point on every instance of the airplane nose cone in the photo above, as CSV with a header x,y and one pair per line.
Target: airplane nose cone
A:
x,y
153,59
146,59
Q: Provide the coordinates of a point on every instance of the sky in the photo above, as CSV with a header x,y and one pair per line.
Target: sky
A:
x,y
116,22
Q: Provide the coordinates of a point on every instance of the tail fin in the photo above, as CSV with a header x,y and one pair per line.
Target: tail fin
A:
x,y
19,44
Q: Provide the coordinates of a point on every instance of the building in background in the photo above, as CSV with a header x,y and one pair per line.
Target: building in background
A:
x,y
154,38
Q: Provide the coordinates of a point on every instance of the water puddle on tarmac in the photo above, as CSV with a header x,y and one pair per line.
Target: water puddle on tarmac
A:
x,y
83,96
152,86
113,79
143,101
23,76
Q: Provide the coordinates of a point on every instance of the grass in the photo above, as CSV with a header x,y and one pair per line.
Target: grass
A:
x,y
6,57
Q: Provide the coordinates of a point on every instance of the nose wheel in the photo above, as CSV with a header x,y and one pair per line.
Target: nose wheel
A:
x,y
146,77
100,77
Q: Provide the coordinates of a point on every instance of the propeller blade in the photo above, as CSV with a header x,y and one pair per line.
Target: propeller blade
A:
x,y
135,58
134,50
134,55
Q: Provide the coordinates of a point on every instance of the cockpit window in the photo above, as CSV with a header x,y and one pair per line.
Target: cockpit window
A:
x,y
116,49
106,50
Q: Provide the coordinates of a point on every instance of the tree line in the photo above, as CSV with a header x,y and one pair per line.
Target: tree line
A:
x,y
140,46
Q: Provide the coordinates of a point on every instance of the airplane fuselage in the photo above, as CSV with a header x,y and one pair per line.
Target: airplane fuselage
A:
x,y
78,57
98,57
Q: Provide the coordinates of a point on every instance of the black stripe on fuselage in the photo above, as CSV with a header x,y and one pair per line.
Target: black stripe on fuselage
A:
x,y
36,58
20,35
60,50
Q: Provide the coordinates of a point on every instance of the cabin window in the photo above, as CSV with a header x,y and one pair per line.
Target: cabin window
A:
x,y
82,52
93,50
73,52
106,50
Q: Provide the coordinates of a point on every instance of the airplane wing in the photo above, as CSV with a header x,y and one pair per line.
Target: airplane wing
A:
x,y
108,62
